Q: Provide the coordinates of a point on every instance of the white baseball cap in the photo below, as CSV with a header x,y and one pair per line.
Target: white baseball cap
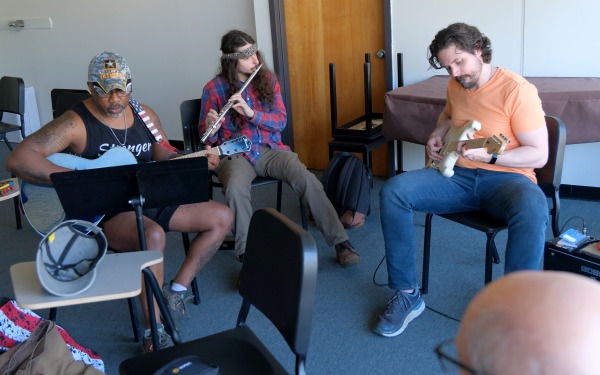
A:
x,y
68,255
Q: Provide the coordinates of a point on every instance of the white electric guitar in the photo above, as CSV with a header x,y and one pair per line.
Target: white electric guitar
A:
x,y
41,204
493,145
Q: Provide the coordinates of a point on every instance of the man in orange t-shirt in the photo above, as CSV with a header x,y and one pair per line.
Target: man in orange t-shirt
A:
x,y
503,185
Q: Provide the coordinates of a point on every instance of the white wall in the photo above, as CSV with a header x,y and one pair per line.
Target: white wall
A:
x,y
545,38
415,23
172,47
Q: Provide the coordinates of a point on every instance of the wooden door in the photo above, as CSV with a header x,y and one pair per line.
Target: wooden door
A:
x,y
320,32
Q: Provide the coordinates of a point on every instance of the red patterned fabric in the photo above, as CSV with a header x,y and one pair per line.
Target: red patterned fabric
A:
x,y
16,324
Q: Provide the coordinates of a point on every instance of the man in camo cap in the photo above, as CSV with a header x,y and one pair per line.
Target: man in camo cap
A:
x,y
106,121
110,71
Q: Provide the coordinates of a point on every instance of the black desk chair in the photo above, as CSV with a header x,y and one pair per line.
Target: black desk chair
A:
x,y
12,100
68,98
279,278
549,178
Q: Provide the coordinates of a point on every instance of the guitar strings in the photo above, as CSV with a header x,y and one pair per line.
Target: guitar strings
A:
x,y
111,129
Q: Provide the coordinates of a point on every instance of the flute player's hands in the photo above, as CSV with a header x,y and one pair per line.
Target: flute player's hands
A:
x,y
211,116
240,105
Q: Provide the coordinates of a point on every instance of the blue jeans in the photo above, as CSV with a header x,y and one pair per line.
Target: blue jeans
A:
x,y
511,197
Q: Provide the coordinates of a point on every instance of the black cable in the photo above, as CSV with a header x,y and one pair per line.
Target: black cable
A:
x,y
375,273
583,227
442,314
429,308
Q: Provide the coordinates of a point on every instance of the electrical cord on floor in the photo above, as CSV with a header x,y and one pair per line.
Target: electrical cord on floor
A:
x,y
426,306
583,227
375,273
442,314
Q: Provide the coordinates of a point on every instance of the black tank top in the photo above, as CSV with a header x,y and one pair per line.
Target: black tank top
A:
x,y
100,138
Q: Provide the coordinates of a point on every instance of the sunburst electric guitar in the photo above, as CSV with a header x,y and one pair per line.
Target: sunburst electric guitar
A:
x,y
41,204
493,145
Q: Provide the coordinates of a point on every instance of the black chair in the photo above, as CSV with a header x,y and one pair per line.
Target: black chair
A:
x,y
67,100
279,278
549,178
12,100
190,116
73,97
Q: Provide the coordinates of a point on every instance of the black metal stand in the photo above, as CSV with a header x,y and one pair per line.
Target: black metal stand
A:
x,y
132,187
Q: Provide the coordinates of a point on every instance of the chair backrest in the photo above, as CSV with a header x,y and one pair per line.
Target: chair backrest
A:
x,y
12,95
55,93
190,117
550,174
66,100
279,275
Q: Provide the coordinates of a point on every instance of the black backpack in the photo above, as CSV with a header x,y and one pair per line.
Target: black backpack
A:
x,y
348,182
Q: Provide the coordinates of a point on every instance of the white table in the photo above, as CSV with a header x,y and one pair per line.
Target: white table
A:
x,y
118,276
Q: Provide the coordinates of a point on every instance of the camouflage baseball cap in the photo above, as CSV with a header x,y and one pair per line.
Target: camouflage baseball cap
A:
x,y
110,71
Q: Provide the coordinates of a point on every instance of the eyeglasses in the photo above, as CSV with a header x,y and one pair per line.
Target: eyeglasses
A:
x,y
449,362
120,93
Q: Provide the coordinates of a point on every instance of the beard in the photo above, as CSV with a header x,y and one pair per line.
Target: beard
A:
x,y
115,111
468,81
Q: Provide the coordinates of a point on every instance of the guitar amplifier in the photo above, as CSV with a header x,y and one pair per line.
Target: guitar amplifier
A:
x,y
584,261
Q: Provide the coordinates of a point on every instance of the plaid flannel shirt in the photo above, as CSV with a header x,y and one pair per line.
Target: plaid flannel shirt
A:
x,y
263,129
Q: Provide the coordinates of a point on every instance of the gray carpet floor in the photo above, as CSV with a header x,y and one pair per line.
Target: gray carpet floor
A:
x,y
347,303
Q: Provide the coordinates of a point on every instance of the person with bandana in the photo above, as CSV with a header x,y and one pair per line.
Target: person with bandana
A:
x,y
258,112
108,120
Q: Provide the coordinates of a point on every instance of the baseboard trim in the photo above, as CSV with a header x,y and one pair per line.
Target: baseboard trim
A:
x,y
580,192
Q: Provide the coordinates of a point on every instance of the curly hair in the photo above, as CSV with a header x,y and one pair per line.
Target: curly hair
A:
x,y
466,37
230,42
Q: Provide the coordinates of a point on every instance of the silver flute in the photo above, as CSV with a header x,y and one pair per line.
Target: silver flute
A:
x,y
228,106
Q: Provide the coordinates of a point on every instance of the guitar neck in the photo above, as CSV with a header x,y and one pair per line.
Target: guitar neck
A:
x,y
469,144
214,151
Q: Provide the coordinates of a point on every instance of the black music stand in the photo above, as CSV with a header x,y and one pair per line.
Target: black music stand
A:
x,y
112,190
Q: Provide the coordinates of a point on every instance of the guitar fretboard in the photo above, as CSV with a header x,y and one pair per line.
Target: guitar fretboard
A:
x,y
471,143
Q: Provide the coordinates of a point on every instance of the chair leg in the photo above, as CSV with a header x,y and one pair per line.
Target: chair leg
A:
x,y
303,215
491,255
186,247
426,254
554,213
153,292
17,212
132,314
17,203
7,142
135,324
279,191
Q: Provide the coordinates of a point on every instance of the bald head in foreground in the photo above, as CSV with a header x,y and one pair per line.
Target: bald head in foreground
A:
x,y
533,323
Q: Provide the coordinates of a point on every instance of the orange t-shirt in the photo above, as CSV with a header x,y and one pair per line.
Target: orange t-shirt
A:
x,y
507,104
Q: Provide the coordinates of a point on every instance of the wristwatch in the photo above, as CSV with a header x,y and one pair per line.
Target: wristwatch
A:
x,y
493,159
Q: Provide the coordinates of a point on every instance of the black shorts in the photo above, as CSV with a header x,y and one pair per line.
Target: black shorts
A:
x,y
162,216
